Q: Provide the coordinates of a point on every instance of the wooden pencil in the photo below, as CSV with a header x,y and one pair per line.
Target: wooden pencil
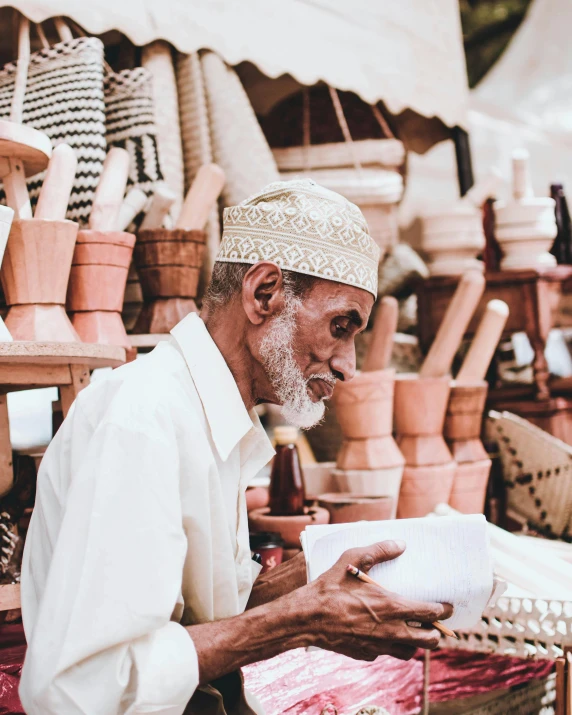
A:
x,y
354,571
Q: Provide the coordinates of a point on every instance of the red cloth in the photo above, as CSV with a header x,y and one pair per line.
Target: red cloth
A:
x,y
297,682
12,651
300,682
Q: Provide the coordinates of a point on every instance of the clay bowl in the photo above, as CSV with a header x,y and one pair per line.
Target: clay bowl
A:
x,y
364,405
256,498
289,527
344,507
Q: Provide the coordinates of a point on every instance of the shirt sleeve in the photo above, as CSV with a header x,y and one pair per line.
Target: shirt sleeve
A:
x,y
102,640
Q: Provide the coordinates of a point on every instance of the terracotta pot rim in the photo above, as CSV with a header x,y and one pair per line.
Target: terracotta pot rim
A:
x,y
469,385
50,221
415,377
160,235
264,512
350,498
118,238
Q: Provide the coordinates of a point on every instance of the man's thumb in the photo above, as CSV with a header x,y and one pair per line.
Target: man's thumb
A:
x,y
380,552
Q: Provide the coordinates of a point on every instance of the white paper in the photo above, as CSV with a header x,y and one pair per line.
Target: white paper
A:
x,y
447,560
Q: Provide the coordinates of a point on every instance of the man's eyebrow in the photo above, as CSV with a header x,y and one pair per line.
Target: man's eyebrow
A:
x,y
355,318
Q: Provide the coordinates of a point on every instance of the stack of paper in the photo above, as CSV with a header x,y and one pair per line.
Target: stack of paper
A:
x,y
447,560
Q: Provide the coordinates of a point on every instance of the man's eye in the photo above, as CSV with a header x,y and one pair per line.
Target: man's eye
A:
x,y
339,328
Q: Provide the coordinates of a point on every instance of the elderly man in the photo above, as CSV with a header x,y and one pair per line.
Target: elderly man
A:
x,y
137,569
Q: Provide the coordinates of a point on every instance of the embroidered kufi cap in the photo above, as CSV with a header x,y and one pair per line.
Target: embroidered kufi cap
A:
x,y
305,228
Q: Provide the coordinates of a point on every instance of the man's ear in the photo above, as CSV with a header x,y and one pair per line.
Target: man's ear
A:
x,y
262,292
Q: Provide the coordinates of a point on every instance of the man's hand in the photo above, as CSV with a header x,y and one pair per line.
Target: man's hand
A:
x,y
278,581
364,621
336,612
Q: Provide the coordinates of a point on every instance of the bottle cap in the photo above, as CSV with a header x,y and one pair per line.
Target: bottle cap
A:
x,y
285,434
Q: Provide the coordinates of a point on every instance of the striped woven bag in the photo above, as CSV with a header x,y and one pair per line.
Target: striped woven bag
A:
x,y
64,98
130,124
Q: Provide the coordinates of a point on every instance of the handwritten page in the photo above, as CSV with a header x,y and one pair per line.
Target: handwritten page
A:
x,y
447,559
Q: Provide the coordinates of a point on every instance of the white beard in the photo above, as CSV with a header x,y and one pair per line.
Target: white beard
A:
x,y
286,378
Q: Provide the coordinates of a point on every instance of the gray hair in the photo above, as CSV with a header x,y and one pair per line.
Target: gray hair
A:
x,y
227,278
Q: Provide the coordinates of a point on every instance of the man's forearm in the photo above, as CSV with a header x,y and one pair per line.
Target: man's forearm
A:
x,y
260,633
278,581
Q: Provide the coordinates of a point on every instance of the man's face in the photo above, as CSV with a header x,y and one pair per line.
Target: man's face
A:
x,y
310,345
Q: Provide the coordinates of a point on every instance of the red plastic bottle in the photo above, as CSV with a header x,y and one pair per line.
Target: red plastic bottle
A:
x,y
287,493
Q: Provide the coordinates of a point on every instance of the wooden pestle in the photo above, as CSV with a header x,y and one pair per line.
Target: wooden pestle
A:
x,y
110,191
132,205
160,205
480,354
381,343
56,189
201,197
455,321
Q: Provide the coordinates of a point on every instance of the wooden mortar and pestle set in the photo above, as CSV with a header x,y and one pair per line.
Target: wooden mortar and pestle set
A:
x,y
168,261
369,465
431,474
102,255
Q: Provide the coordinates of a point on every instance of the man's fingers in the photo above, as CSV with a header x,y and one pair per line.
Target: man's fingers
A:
x,y
367,557
424,611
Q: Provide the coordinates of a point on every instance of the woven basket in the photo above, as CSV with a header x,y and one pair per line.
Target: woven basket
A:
x,y
197,148
130,124
238,143
157,59
537,470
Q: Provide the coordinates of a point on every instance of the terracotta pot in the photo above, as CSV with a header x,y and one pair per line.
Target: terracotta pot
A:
x,y
364,405
422,488
375,453
420,406
462,432
289,527
168,263
256,498
345,508
133,300
375,482
97,285
35,274
318,479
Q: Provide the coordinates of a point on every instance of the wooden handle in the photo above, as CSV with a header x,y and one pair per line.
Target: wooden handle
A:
x,y
521,184
455,321
56,189
201,197
110,191
161,201
381,343
480,354
132,204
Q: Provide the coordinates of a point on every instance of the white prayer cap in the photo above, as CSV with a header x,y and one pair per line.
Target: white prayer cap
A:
x,y
305,228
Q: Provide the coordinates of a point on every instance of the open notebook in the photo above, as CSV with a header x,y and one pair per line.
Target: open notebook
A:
x,y
447,560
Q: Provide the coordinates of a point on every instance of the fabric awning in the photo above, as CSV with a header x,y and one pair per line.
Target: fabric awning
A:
x,y
408,53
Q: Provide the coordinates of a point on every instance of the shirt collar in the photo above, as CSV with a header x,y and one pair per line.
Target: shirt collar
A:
x,y
229,420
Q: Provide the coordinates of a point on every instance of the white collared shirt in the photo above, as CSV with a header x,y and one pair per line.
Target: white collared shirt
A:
x,y
139,526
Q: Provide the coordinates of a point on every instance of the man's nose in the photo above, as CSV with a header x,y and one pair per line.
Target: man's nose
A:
x,y
343,362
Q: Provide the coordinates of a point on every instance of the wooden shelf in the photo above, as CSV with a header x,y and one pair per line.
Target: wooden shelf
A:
x,y
91,355
150,340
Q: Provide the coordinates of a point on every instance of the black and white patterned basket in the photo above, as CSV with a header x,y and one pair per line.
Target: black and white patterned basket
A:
x,y
130,124
64,98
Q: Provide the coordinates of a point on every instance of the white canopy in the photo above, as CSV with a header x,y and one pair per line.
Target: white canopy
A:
x,y
408,53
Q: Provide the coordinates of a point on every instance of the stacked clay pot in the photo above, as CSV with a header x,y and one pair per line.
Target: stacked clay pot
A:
x,y
420,407
369,462
168,263
462,432
35,274
97,286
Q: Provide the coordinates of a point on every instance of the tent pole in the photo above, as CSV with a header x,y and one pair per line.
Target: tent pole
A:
x,y
464,163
